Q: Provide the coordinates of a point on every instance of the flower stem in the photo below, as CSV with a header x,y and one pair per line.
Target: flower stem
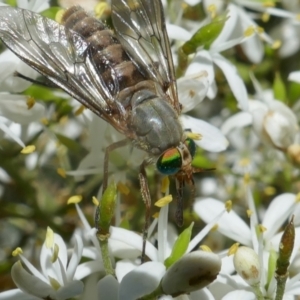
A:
x,y
103,240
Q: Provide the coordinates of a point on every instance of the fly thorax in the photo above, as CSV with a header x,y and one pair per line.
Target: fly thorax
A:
x,y
141,96
154,122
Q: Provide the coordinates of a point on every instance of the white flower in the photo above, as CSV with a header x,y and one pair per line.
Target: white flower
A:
x,y
273,122
56,278
13,108
135,280
205,59
262,243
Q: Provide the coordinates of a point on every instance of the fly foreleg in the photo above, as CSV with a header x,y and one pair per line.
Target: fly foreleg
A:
x,y
147,200
108,150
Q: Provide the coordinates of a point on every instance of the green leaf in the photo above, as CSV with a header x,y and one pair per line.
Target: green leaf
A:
x,y
42,93
11,2
279,88
271,265
107,207
205,35
180,246
51,12
69,143
201,161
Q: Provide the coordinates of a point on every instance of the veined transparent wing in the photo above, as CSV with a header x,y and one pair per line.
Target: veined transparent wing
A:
x,y
62,56
140,27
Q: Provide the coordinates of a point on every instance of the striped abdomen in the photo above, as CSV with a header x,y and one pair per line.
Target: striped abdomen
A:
x,y
114,65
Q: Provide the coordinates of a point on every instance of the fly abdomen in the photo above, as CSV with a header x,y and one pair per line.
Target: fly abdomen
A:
x,y
125,73
110,58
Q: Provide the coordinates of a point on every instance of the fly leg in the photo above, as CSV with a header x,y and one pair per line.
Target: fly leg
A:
x,y
46,82
108,150
179,210
147,200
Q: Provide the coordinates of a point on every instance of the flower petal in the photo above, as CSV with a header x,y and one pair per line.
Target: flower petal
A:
x,y
192,90
234,80
239,294
212,138
70,290
230,224
14,108
108,288
75,258
277,213
178,33
141,281
294,76
134,240
240,119
31,284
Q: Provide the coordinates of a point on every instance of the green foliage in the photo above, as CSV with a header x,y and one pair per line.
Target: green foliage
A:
x,y
51,12
206,35
180,246
279,88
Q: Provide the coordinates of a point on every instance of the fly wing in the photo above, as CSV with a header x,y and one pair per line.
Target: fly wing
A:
x,y
61,55
141,29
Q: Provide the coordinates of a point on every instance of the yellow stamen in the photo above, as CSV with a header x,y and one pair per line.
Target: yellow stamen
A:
x,y
49,241
232,250
100,9
298,197
55,253
247,178
276,45
74,199
270,190
28,149
156,215
95,201
59,15
205,248
265,17
79,110
249,31
244,162
30,102
212,9
228,205
165,184
249,213
163,201
61,172
54,283
262,228
63,120
122,188
215,227
194,136
44,121
260,30
17,252
269,4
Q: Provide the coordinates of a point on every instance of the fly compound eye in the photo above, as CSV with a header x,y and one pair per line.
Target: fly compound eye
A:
x,y
170,162
191,145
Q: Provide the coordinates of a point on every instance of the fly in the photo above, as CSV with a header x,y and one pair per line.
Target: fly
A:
x,y
126,77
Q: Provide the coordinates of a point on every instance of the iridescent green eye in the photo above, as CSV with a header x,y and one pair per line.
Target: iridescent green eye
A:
x,y
169,163
191,146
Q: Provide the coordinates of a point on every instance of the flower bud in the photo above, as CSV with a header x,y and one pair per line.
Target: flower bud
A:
x,y
293,152
247,265
190,273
